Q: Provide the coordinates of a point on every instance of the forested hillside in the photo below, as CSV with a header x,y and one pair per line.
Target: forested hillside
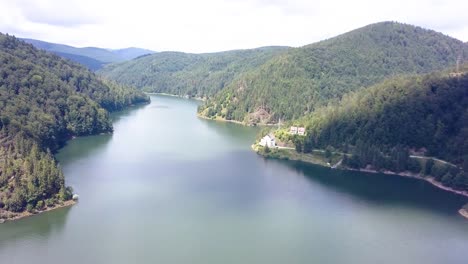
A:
x,y
45,100
383,124
195,75
294,83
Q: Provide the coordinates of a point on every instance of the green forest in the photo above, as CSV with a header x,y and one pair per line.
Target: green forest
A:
x,y
294,83
184,74
44,101
379,127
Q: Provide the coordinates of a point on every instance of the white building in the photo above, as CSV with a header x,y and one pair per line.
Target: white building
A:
x,y
268,141
293,130
297,131
301,131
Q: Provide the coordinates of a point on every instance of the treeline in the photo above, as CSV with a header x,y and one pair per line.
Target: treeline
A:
x,y
296,82
381,125
194,75
45,100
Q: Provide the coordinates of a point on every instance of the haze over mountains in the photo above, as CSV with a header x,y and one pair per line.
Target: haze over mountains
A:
x,y
91,57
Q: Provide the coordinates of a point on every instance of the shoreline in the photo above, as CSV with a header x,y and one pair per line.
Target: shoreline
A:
x,y
407,174
26,214
220,119
12,216
178,96
463,212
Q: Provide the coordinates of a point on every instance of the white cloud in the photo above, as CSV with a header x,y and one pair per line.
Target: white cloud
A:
x,y
214,25
57,13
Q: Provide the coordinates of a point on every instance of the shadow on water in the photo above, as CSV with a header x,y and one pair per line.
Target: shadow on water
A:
x,y
116,116
38,226
231,130
82,147
380,189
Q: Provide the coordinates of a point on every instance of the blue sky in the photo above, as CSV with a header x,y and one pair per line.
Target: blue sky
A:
x,y
216,25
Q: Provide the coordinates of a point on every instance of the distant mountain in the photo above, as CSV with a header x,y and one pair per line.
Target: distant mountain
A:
x,y
297,81
103,55
91,57
198,75
131,53
89,62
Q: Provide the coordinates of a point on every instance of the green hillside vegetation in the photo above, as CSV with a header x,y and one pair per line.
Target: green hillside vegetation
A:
x,y
380,126
45,100
195,75
294,83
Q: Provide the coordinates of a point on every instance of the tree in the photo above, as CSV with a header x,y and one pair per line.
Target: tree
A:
x,y
428,166
447,179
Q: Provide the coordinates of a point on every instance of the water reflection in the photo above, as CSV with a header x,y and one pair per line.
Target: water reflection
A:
x,y
116,116
380,189
82,147
36,227
232,131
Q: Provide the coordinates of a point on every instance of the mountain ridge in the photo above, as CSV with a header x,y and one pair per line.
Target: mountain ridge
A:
x,y
294,83
179,73
92,57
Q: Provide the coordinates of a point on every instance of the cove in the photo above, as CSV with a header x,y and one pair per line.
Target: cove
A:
x,y
168,187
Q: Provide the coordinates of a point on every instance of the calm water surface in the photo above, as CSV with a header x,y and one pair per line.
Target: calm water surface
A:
x,y
168,187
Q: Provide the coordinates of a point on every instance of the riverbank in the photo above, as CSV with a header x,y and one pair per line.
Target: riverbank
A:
x,y
179,96
220,119
408,174
317,159
463,212
11,216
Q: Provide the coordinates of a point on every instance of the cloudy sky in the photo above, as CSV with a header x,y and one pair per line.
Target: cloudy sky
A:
x,y
215,25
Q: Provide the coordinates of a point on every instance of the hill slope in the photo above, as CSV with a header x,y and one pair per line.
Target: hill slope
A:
x,y
198,75
296,82
45,100
380,124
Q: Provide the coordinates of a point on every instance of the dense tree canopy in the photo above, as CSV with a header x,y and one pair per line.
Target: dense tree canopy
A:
x,y
379,125
197,75
296,82
44,100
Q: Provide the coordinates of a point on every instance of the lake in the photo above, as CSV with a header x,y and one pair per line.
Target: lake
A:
x,y
168,187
